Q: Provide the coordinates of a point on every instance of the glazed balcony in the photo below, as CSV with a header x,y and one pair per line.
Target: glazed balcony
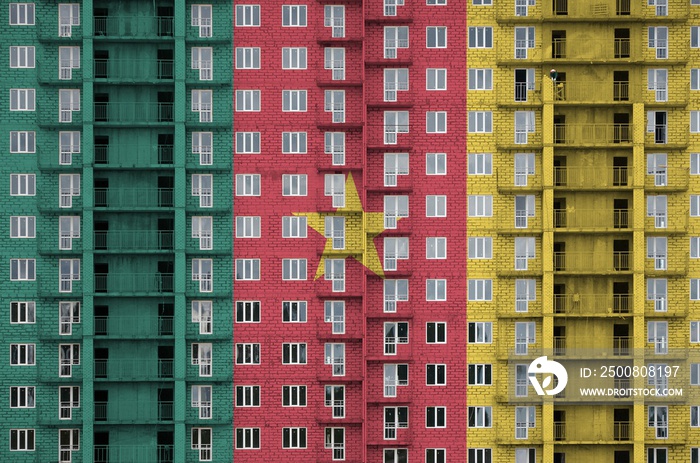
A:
x,y
133,411
124,156
613,432
583,347
592,178
133,453
124,327
133,283
133,198
595,135
133,113
128,241
133,27
592,220
585,263
133,369
593,304
133,70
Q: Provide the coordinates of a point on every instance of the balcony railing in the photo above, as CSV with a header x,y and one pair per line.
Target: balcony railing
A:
x,y
621,431
592,177
130,369
582,346
133,411
133,283
592,262
592,134
594,92
592,304
133,197
592,219
133,453
133,70
133,155
596,9
133,240
594,49
135,112
133,327
129,27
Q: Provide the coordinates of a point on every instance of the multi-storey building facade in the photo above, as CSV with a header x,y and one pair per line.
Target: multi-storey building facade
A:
x,y
116,231
349,231
582,213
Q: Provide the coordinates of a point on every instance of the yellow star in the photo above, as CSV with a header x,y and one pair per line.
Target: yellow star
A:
x,y
360,230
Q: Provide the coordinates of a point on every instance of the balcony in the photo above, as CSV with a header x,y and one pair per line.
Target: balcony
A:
x,y
133,198
586,263
592,178
606,432
133,453
133,369
592,220
595,50
134,113
593,304
133,283
133,70
133,327
667,179
598,10
595,92
594,135
587,347
382,13
128,241
138,411
125,156
133,27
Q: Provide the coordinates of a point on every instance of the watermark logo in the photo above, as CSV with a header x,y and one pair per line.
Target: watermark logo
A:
x,y
550,369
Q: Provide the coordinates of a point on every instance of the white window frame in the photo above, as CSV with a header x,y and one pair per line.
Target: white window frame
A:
x,y
294,395
22,142
22,184
248,269
294,269
202,400
247,15
202,442
334,59
335,273
247,438
294,438
22,397
202,103
335,146
657,334
293,15
334,103
203,60
436,79
294,100
334,17
247,226
68,355
22,99
439,376
479,289
69,271
294,353
202,230
334,313
247,396
22,14
294,311
394,291
247,57
22,440
68,315
247,184
203,315
294,185
438,416
68,399
68,102
436,37
524,420
395,80
435,247
395,122
395,37
395,208
22,269
525,335
480,247
203,188
480,37
436,206
658,39
436,122
247,353
479,332
247,311
480,205
68,59
68,16
294,227
22,226
22,57
479,417
395,376
247,142
202,356
435,289
480,121
294,58
200,273
480,164
479,374
22,312
436,164
22,354
335,356
394,333
334,186
335,399
69,144
293,142
246,101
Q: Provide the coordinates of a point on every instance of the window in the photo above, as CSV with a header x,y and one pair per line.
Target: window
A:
x,y
293,438
22,184
479,290
657,455
293,100
444,2
479,417
246,100
524,336
436,248
202,231
436,333
695,374
395,249
22,397
22,226
480,79
68,16
334,59
479,374
22,312
524,40
481,455
335,104
395,122
695,205
395,208
202,145
481,37
293,227
202,103
335,398
394,38
247,269
294,269
201,399
22,99
22,440
694,451
69,144
524,208
480,122
69,186
436,37
294,142
68,59
202,314
436,164
68,315
247,354
202,60
201,17
335,273
294,185
334,230
201,442
524,251
657,334
394,291
435,417
68,399
657,80
294,396
69,271
69,355
247,15
695,247
656,249
695,332
21,14
524,293
524,124
294,58
658,39
436,79
294,311
694,289
335,146
334,313
248,311
22,142
657,208
21,57
248,142
395,80
479,332
22,354
436,374
334,17
694,417
694,36
394,418
658,418
202,272
247,227
437,455
480,247
294,15
202,356
335,356
335,440
395,164
68,101
394,333
248,58
247,438
436,122
480,205
694,121
22,269
436,206
247,184
334,186
394,375
480,164
524,419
